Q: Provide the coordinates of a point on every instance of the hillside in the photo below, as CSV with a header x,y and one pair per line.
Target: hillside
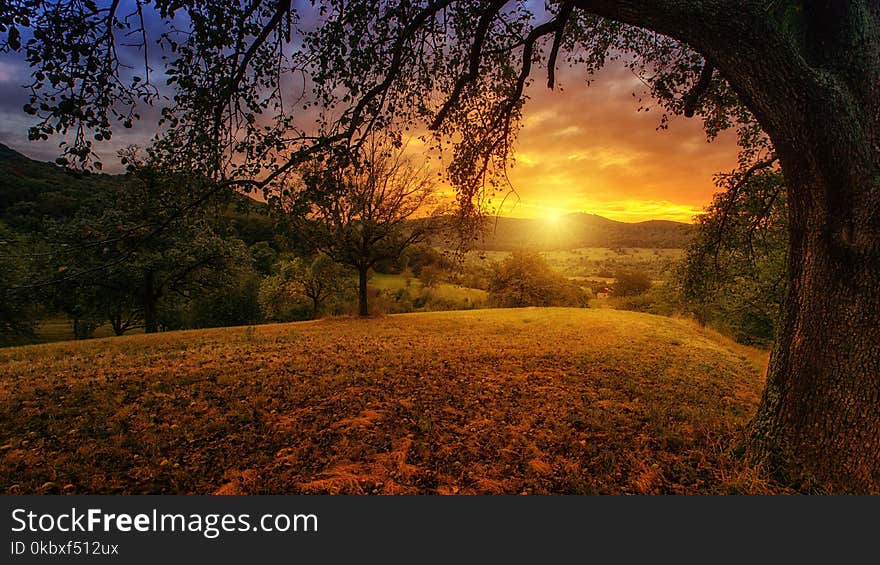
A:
x,y
582,230
32,190
485,401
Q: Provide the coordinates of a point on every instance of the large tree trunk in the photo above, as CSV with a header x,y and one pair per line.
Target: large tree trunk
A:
x,y
363,307
818,425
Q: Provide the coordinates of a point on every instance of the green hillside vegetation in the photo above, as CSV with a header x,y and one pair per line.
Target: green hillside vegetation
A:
x,y
47,213
536,400
600,263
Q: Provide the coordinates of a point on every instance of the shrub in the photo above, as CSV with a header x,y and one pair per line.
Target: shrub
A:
x,y
431,275
525,279
233,305
662,300
630,283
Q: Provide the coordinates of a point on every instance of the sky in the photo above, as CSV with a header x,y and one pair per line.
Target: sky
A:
x,y
581,149
588,149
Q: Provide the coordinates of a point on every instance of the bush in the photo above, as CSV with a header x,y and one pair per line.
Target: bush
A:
x,y
279,304
430,276
233,305
525,279
662,300
630,283
476,275
263,256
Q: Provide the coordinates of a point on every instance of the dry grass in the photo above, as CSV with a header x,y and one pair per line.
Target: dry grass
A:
x,y
488,401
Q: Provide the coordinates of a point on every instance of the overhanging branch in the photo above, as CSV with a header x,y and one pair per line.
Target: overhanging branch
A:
x,y
692,98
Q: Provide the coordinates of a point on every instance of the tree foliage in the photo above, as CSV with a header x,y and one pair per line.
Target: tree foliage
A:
x,y
18,307
734,274
525,279
362,213
303,287
260,86
630,283
139,244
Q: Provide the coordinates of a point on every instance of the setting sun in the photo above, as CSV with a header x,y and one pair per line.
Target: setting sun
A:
x,y
553,215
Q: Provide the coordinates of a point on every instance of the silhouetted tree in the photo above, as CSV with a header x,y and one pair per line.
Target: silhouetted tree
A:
x,y
363,212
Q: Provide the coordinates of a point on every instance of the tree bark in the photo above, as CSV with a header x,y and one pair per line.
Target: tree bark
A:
x,y
818,425
363,306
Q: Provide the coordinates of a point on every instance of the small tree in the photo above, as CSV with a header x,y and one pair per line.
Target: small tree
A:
x,y
525,279
361,213
630,283
430,276
321,280
302,281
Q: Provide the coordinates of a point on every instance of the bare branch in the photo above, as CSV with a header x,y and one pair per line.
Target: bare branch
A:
x,y
282,10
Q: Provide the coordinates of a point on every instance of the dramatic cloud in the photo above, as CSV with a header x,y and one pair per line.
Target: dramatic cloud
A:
x,y
581,149
588,149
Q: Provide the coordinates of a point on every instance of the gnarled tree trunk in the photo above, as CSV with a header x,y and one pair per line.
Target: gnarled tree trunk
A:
x,y
818,425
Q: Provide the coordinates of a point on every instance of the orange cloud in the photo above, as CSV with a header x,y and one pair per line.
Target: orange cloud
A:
x,y
587,149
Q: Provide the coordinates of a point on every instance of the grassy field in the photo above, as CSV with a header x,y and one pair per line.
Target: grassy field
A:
x,y
60,329
600,263
450,292
485,401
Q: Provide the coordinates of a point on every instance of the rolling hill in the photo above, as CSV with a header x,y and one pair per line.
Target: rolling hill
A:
x,y
547,400
582,230
32,192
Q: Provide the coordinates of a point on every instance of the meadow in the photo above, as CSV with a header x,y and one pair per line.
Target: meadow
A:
x,y
600,263
519,401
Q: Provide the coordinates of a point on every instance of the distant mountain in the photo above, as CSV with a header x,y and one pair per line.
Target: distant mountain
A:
x,y
582,230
